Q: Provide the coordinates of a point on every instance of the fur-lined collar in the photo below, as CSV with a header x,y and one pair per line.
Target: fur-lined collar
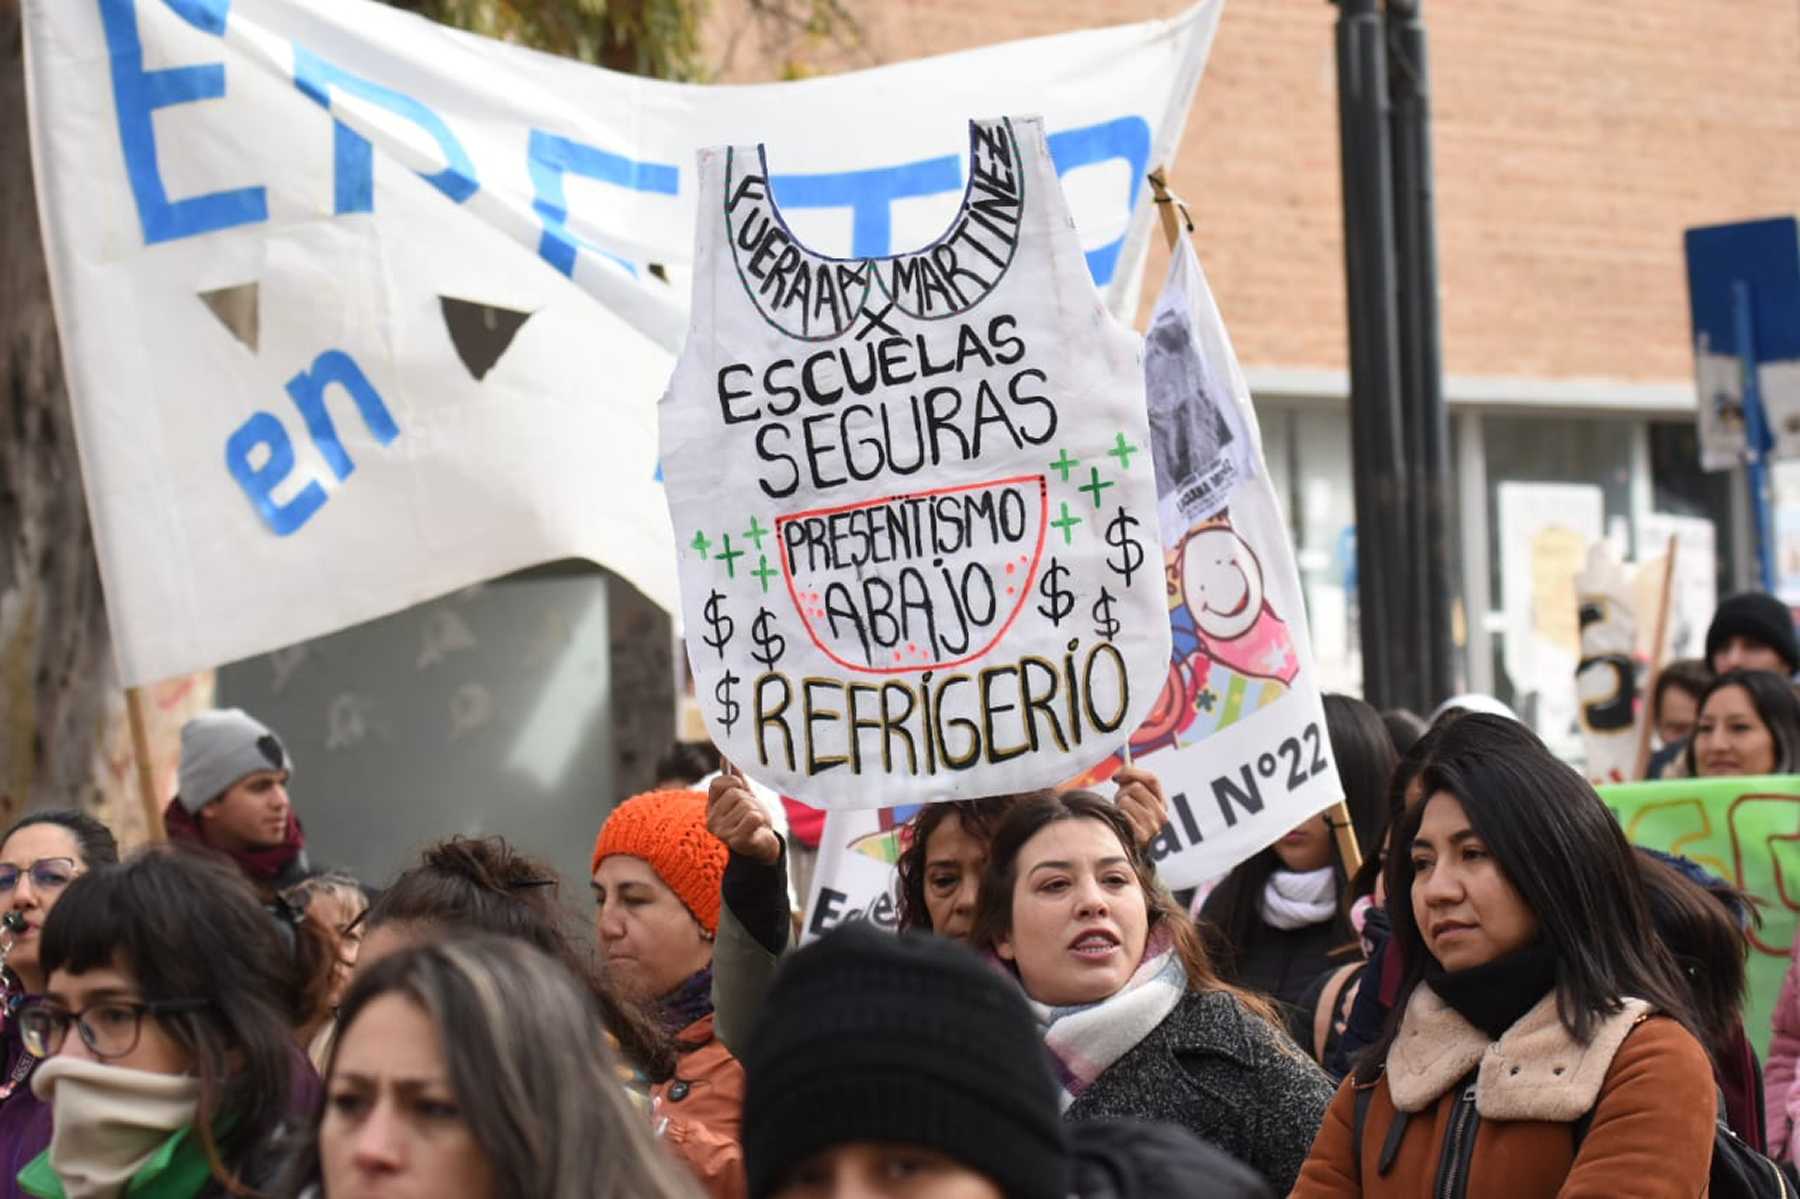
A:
x,y
1536,1071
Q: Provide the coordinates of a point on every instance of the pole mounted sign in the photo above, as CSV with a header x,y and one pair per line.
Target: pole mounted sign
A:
x,y
1744,297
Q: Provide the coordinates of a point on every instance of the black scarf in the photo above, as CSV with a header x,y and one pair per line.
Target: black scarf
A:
x,y
1493,995
690,1001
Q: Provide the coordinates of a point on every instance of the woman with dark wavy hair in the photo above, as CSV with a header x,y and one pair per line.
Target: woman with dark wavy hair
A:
x,y
1137,1023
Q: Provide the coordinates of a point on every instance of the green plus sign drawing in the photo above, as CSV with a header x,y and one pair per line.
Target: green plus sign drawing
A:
x,y
701,543
1066,524
762,571
729,556
756,533
1064,463
1123,450
1094,486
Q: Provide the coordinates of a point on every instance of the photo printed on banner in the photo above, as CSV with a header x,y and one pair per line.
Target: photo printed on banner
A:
x,y
914,496
1197,434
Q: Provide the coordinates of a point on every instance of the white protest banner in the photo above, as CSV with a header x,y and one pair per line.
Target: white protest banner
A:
x,y
1238,733
357,309
913,494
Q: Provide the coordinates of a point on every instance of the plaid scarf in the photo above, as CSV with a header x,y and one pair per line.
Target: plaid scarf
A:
x,y
1085,1039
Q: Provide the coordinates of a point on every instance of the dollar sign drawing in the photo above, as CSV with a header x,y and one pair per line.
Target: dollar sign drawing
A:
x,y
729,708
770,645
1105,623
1061,599
721,625
1130,554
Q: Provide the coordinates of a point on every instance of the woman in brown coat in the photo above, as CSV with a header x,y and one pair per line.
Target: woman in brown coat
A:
x,y
1541,1045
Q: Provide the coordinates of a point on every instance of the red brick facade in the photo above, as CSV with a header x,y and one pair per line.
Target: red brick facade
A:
x,y
1574,143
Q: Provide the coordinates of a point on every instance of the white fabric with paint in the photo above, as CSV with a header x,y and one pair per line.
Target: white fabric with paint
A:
x,y
1238,734
357,309
913,494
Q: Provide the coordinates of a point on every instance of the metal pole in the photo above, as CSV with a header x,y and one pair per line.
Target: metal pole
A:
x,y
1757,439
1425,420
1377,445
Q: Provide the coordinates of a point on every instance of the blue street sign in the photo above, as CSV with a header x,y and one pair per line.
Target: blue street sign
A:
x,y
1744,297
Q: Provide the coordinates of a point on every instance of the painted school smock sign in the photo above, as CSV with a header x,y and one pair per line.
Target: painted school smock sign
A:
x,y
913,495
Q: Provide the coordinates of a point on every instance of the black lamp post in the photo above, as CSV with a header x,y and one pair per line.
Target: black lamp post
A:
x,y
1399,430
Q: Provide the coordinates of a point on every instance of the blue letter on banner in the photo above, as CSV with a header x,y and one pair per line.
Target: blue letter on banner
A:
x,y
353,166
869,195
1127,138
307,390
138,93
549,157
259,483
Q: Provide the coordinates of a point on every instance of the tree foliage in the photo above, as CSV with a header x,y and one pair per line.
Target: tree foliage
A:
x,y
658,38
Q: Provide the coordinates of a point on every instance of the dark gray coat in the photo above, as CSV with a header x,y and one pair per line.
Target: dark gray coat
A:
x,y
1225,1076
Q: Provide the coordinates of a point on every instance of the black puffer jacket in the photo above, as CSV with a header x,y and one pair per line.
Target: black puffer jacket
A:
x,y
1130,1159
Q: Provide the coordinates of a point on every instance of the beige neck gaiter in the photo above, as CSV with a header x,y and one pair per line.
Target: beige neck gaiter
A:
x,y
108,1120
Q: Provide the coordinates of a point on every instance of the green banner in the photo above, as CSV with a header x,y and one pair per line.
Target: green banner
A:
x,y
1746,831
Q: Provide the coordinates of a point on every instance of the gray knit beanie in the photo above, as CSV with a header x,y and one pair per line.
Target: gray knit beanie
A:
x,y
220,747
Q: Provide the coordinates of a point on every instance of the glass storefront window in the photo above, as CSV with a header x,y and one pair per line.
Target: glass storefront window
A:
x,y
1307,449
1681,488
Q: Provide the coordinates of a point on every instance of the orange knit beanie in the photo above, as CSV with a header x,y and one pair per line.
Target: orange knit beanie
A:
x,y
668,830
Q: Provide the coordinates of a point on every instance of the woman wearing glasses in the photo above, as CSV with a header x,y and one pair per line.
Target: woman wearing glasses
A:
x,y
167,1026
39,856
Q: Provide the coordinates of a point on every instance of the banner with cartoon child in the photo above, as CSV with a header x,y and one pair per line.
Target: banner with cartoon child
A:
x,y
1237,734
1747,832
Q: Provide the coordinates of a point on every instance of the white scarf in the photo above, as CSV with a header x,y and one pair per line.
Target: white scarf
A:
x,y
1085,1039
1296,899
107,1121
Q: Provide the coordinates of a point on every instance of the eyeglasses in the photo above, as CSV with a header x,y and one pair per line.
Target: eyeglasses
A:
x,y
47,874
109,1029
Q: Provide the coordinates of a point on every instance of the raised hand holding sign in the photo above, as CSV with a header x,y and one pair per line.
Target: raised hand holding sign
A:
x,y
737,818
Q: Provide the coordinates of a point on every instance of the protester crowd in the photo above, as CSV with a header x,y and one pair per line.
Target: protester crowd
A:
x,y
1504,998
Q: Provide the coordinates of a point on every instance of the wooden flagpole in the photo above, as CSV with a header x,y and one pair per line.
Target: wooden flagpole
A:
x,y
140,752
1657,649
1166,204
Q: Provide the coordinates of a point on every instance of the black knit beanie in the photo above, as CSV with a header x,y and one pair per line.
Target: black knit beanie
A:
x,y
1760,617
908,1039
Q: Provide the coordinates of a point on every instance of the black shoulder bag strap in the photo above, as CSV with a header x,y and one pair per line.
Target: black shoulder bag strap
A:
x,y
1359,1121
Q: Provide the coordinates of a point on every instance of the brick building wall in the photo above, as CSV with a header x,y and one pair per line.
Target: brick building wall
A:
x,y
1574,142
